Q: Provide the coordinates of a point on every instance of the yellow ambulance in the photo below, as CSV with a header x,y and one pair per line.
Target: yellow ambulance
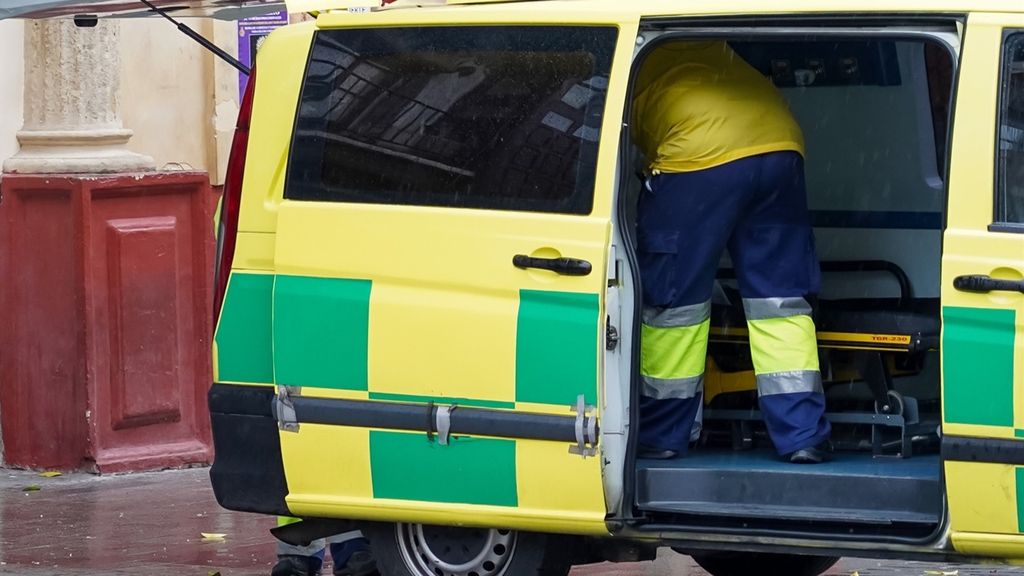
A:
x,y
428,299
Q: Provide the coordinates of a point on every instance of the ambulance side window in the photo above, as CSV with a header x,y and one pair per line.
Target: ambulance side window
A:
x,y
493,117
1010,153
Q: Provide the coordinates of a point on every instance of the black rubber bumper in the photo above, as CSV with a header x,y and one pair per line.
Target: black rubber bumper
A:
x,y
247,473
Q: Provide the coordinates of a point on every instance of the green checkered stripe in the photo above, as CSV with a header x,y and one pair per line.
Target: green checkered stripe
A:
x,y
321,340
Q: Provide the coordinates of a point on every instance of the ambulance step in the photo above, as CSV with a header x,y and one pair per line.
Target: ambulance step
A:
x,y
854,488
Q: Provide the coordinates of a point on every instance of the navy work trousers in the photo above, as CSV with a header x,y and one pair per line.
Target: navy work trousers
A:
x,y
755,207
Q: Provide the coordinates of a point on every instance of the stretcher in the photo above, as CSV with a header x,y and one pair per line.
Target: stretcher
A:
x,y
871,340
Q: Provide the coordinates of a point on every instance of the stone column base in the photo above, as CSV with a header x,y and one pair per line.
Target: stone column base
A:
x,y
76,152
106,313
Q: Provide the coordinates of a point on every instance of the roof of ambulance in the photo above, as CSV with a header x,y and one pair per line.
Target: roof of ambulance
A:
x,y
574,10
408,12
644,8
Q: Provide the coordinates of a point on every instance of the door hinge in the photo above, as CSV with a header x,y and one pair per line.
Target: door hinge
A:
x,y
284,408
586,429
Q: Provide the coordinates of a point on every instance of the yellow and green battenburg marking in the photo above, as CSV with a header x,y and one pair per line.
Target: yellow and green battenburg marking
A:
x,y
315,333
978,390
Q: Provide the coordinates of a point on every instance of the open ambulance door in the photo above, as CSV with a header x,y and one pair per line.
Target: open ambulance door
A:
x,y
441,267
983,294
225,10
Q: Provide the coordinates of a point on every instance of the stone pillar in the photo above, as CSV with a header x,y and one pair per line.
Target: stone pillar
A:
x,y
72,119
106,299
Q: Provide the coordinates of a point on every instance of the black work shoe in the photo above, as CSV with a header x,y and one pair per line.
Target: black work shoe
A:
x,y
655,453
360,564
813,454
296,566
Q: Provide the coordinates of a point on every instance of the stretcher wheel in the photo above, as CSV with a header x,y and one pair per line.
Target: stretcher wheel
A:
x,y
894,405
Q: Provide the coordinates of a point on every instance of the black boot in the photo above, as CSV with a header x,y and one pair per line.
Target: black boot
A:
x,y
649,453
296,566
361,563
813,454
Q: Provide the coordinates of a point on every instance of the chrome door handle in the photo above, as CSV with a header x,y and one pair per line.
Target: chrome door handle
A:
x,y
985,283
563,266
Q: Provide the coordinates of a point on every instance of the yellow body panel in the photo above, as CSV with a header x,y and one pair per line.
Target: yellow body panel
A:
x,y
254,251
542,467
993,503
984,513
990,545
383,510
316,467
282,59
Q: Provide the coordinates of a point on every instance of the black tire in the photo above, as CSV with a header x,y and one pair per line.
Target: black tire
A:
x,y
746,563
466,551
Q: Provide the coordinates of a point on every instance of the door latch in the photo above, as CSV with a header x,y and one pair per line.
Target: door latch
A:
x,y
612,338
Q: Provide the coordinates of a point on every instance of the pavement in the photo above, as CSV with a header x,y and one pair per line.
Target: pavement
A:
x,y
153,524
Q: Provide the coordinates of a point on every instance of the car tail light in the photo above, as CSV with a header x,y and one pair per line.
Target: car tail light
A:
x,y
227,229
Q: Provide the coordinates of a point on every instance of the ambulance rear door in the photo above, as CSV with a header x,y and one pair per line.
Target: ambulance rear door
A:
x,y
438,306
983,294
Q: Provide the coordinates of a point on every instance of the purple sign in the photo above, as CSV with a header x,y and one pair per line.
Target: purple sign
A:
x,y
251,32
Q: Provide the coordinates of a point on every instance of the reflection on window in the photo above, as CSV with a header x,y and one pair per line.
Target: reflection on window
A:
x,y
478,117
1010,177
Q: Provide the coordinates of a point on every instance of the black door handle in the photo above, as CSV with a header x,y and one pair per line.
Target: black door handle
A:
x,y
563,266
983,283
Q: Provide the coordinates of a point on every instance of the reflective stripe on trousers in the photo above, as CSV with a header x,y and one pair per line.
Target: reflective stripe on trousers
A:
x,y
673,349
316,547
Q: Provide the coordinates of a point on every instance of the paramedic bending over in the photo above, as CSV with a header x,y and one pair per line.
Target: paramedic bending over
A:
x,y
726,171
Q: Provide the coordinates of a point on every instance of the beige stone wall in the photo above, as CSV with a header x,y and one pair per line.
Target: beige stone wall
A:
x,y
165,95
179,100
12,75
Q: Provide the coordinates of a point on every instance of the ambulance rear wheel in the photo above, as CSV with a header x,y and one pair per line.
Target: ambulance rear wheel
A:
x,y
745,563
423,550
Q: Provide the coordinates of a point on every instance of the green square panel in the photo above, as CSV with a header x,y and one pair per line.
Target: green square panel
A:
x,y
467,471
321,332
977,350
556,347
244,350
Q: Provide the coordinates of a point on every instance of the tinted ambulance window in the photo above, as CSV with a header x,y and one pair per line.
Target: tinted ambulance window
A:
x,y
500,117
1010,175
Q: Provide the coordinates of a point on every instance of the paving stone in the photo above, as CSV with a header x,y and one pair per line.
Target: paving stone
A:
x,y
151,524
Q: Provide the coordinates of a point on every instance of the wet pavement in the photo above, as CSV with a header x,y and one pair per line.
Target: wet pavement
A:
x,y
152,524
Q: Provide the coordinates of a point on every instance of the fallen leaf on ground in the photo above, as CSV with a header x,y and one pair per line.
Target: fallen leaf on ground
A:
x,y
212,537
50,474
213,573
31,488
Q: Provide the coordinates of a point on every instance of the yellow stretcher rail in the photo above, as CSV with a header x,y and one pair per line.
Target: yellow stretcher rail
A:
x,y
836,340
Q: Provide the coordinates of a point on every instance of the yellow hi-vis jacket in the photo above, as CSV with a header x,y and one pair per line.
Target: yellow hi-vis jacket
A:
x,y
699,104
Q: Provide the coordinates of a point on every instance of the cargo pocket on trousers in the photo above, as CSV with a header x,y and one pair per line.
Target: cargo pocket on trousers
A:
x,y
657,252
